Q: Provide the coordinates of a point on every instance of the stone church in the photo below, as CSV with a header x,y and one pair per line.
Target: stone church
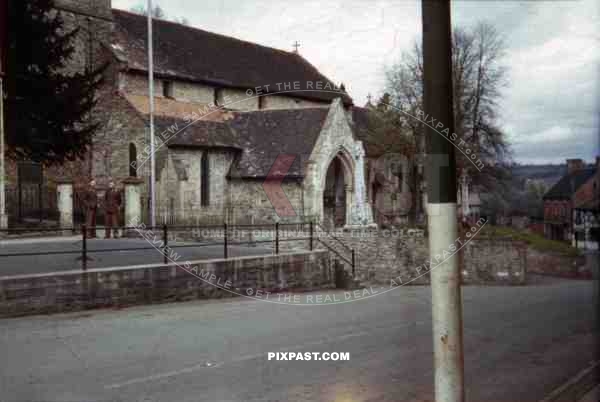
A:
x,y
245,133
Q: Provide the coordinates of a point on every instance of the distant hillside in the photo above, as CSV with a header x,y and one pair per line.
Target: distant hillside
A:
x,y
548,174
523,192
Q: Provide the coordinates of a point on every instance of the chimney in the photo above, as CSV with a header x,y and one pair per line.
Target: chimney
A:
x,y
574,165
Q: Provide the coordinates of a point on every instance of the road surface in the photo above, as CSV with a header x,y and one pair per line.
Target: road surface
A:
x,y
520,343
101,257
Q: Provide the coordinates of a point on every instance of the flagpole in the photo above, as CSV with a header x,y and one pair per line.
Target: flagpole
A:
x,y
151,96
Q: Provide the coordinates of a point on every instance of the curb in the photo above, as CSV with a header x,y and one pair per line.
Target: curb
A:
x,y
576,387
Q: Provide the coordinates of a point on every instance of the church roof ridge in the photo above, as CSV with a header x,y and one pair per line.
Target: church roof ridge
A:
x,y
195,28
196,55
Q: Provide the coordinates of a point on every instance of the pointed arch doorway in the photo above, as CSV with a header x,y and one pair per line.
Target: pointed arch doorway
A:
x,y
337,192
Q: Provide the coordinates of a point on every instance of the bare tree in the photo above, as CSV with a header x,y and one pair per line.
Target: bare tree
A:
x,y
478,76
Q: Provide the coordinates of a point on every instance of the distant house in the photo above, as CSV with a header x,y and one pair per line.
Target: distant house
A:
x,y
576,191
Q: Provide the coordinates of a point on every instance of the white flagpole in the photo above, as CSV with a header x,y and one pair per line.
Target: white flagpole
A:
x,y
151,96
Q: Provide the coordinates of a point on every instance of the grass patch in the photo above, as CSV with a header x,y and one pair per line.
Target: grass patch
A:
x,y
534,240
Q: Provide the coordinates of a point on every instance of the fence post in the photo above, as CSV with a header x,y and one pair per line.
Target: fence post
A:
x,y
276,238
311,235
353,264
64,203
84,247
40,202
165,244
225,240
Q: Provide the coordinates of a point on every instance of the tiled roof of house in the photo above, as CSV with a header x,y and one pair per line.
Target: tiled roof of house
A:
x,y
196,55
566,187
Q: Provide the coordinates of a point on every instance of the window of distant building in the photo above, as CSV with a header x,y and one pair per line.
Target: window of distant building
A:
x,y
168,89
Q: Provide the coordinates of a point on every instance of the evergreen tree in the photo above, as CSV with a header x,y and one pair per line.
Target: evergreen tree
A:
x,y
48,107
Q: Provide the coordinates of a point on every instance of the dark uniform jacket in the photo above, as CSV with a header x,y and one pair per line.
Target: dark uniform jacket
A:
x,y
90,199
112,201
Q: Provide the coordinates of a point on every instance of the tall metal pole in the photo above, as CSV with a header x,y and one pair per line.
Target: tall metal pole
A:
x,y
442,214
151,96
3,47
3,216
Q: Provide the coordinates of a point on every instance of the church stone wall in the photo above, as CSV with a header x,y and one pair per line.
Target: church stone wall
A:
x,y
180,183
232,201
236,99
120,126
249,202
99,8
193,92
137,84
287,102
93,18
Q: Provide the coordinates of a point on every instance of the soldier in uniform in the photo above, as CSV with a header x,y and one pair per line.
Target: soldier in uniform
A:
x,y
112,206
90,203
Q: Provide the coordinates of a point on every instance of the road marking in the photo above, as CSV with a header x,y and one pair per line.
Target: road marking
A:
x,y
212,365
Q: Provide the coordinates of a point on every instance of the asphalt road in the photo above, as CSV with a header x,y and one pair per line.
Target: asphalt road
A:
x,y
104,253
520,343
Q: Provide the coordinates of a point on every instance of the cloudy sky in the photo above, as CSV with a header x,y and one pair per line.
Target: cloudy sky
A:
x,y
550,109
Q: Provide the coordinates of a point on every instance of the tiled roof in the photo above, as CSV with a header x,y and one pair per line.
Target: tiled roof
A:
x,y
569,184
173,108
196,55
210,134
267,134
260,137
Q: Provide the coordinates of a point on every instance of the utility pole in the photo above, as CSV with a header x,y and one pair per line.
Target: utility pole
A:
x,y
151,95
3,46
441,208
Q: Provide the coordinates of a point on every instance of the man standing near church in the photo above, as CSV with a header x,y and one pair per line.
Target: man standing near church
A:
x,y
112,206
90,203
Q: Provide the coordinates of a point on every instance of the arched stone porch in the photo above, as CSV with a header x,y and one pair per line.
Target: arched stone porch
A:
x,y
334,181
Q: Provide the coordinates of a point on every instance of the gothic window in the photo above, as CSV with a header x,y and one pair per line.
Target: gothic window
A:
x,y
204,180
132,160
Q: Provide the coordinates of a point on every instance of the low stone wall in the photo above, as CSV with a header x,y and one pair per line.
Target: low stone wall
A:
x,y
495,261
557,264
118,287
384,255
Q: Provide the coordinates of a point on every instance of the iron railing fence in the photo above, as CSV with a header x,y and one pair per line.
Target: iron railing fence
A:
x,y
224,235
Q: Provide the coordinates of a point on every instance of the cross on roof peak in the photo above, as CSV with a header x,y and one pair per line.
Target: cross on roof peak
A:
x,y
296,45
